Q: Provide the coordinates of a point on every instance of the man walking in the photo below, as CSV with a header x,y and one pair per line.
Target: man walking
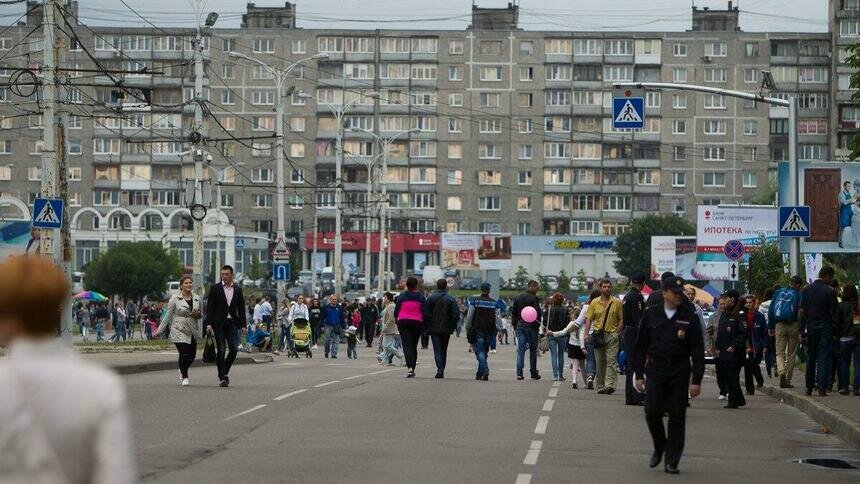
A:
x,y
441,315
480,328
818,308
782,323
334,319
527,332
669,363
369,316
632,311
605,316
730,347
225,317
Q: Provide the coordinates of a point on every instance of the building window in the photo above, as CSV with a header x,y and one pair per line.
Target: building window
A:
x,y
716,49
679,101
489,177
715,101
455,125
750,180
527,47
455,177
299,46
455,204
524,204
455,151
489,152
751,49
262,175
491,74
714,153
227,97
455,47
714,127
455,73
261,200
527,73
679,74
524,177
715,74
524,228
714,180
490,99
679,206
526,152
680,50
751,75
264,46
489,204
616,203
679,127
679,179
750,127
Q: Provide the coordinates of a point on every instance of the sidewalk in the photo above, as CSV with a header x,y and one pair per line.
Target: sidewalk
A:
x,y
838,413
145,361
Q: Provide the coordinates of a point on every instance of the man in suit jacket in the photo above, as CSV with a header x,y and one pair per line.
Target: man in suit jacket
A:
x,y
225,317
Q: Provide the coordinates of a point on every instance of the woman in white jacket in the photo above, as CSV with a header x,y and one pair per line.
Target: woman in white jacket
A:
x,y
577,329
183,317
298,311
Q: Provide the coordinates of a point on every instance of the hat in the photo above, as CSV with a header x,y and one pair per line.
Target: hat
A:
x,y
486,287
667,275
732,293
796,280
637,278
674,284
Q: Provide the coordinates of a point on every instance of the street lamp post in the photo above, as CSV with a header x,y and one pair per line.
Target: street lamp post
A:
x,y
280,76
790,103
368,163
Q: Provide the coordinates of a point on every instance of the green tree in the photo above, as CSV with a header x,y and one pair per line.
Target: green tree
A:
x,y
256,270
633,247
521,278
563,282
767,196
848,263
765,268
544,283
133,270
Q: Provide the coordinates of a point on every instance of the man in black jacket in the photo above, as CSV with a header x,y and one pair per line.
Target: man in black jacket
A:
x,y
369,316
481,328
441,315
225,317
730,346
632,311
527,332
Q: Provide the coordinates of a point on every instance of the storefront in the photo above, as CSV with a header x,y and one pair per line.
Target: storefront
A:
x,y
549,255
409,252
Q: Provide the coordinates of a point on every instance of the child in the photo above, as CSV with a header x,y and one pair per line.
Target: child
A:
x,y
351,343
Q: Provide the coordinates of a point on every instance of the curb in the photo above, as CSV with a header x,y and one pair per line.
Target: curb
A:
x,y
136,368
844,427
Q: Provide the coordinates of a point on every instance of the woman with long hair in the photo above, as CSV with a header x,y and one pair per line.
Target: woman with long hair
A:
x,y
283,317
183,316
577,329
557,319
390,335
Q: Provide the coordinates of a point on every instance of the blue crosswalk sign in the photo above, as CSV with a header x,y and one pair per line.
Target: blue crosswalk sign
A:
x,y
281,272
628,112
794,221
47,213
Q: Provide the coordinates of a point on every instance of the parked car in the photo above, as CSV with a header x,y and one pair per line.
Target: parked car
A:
x,y
298,290
77,282
470,283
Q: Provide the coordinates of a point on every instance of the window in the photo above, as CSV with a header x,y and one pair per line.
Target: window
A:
x,y
617,73
714,153
811,126
264,46
297,100
524,125
489,177
262,226
589,98
751,49
812,100
455,47
422,176
455,177
587,47
558,72
227,175
750,127
455,73
491,125
297,125
524,177
422,149
679,127
616,203
297,150
261,175
263,98
714,180
556,176
426,124
618,47
261,201
750,75
849,27
558,46
261,149
524,228
34,173
525,99
527,47
813,74
556,150
812,152
648,177
394,45
5,147
422,200
455,125
557,97
491,74
455,151
557,124
489,203
680,50
715,74
489,152
330,45
749,180
455,204
714,127
526,152
299,46
423,71
106,146
227,97
679,179
679,74
490,99
524,204
261,123
424,46
716,49
455,100
652,100
75,148
779,126
715,101
679,153
679,101
527,73
750,153
490,47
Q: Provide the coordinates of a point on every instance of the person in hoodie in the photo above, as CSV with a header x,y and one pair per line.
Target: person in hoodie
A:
x,y
335,322
409,314
441,315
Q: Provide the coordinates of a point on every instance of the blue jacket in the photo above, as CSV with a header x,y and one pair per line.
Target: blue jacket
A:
x,y
441,327
332,315
256,337
760,338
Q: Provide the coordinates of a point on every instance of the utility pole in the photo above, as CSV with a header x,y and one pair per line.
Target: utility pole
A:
x,y
49,153
197,155
63,175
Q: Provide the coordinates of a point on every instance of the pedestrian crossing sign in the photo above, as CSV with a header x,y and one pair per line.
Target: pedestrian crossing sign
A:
x,y
628,112
47,213
794,221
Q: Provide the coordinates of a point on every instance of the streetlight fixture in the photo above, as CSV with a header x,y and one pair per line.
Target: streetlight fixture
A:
x,y
280,76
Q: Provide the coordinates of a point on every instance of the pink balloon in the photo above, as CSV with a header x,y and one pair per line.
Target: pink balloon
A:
x,y
528,314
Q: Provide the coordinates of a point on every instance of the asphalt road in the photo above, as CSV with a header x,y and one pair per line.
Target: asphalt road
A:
x,y
351,421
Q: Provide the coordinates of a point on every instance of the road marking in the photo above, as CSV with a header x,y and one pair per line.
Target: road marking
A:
x,y
553,392
547,405
288,395
381,371
523,479
556,383
326,384
246,412
335,364
542,422
353,377
288,364
533,453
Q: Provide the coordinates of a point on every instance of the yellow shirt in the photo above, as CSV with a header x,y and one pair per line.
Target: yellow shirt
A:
x,y
596,310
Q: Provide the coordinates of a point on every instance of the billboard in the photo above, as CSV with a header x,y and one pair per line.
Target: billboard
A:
x,y
673,254
832,192
718,225
476,251
17,238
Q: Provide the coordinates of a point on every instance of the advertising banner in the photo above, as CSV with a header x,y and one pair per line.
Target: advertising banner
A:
x,y
722,231
16,238
476,251
673,254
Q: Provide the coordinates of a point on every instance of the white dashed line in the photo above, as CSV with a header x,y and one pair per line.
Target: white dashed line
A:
x,y
381,371
547,405
326,384
533,453
288,395
353,377
335,364
246,412
542,422
523,479
553,392
289,364
556,383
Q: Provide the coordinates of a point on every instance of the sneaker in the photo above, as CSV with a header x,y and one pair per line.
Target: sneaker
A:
x,y
223,384
486,377
411,374
561,378
185,382
590,384
535,376
574,386
721,397
493,351
609,391
439,374
520,377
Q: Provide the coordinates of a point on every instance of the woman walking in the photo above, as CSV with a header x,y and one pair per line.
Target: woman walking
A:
x,y
557,320
577,329
315,313
410,322
298,312
390,336
283,317
183,316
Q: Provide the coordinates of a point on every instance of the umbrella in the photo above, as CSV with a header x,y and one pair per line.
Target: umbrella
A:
x,y
702,295
90,296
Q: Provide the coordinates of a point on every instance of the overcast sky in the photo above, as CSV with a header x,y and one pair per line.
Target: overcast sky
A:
x,y
626,15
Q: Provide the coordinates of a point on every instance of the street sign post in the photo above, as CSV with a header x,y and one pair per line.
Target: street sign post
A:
x,y
281,272
734,250
794,221
734,271
47,213
628,109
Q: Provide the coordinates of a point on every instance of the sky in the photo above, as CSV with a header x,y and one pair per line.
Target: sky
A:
x,y
617,15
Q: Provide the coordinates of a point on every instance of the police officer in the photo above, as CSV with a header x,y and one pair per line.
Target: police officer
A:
x,y
481,328
730,346
632,310
669,337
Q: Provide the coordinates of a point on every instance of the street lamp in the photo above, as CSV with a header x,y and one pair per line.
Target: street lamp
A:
x,y
384,143
338,111
280,76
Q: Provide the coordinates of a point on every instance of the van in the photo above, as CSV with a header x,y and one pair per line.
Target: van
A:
x,y
77,282
172,288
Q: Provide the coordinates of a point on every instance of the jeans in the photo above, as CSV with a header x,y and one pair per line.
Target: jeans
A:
x,y
440,350
527,335
482,345
850,352
425,340
818,365
352,352
504,334
494,340
410,333
332,340
391,347
187,353
226,340
119,332
557,346
607,363
100,331
590,361
285,340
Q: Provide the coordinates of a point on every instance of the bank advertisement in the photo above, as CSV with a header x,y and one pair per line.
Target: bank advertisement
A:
x,y
673,254
476,251
17,238
718,225
832,192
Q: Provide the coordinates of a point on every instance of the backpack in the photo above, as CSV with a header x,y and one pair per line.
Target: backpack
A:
x,y
784,305
441,314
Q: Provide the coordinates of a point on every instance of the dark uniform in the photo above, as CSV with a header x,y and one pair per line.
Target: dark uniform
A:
x,y
731,333
632,311
664,349
481,329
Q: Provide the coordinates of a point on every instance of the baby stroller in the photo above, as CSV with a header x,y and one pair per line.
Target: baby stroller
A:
x,y
300,333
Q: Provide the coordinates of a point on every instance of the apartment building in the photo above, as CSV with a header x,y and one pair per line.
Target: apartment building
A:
x,y
499,128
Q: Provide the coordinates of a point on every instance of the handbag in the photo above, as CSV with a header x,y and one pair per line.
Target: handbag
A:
x,y
208,349
598,338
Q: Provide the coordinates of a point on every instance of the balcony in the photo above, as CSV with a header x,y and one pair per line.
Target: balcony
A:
x,y
551,109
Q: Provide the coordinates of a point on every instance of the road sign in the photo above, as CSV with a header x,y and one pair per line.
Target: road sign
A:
x,y
628,110
734,271
281,272
734,250
47,213
240,243
794,221
281,252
